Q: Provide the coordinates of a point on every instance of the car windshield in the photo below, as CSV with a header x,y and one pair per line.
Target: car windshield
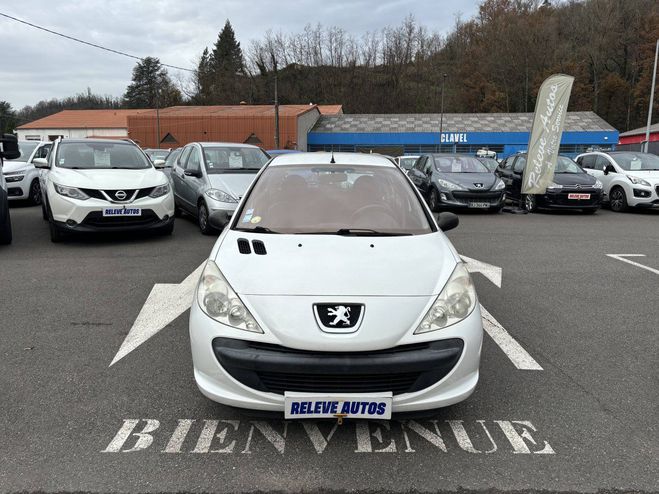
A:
x,y
407,163
100,155
566,165
157,154
333,199
26,148
171,157
459,164
636,161
232,159
490,163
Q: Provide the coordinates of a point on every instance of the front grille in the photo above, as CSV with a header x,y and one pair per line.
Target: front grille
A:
x,y
96,219
279,382
277,369
97,194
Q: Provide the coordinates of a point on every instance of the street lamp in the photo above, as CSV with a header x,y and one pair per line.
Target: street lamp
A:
x,y
441,115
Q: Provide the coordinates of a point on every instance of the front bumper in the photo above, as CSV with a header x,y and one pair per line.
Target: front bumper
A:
x,y
642,196
17,191
561,200
464,199
246,370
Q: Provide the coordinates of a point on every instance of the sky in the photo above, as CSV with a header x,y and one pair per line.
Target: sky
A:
x,y
36,65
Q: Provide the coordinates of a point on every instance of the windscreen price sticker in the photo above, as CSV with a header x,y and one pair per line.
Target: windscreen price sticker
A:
x,y
365,406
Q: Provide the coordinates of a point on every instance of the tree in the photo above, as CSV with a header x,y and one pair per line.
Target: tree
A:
x,y
227,54
151,86
8,118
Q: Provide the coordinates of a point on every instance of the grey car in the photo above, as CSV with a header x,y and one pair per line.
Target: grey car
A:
x,y
455,181
213,176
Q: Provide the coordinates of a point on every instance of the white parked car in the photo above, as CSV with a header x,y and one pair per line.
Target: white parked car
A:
x,y
334,292
629,178
93,185
20,174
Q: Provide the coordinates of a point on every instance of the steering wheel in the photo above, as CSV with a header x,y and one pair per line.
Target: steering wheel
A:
x,y
372,207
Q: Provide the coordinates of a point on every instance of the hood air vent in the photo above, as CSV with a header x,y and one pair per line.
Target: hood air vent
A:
x,y
259,247
243,246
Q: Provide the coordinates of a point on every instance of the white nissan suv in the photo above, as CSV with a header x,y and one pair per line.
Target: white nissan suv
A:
x,y
629,178
92,185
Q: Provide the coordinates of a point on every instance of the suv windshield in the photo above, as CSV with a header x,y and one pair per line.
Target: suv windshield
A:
x,y
636,161
333,199
566,165
100,155
26,148
459,164
231,159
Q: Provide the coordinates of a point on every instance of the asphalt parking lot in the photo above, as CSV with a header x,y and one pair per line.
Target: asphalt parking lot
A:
x,y
583,418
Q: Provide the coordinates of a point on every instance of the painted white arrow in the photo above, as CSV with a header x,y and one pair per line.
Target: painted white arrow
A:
x,y
492,273
165,303
621,257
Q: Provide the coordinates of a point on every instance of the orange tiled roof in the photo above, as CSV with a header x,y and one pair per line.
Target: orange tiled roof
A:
x,y
84,119
232,110
330,109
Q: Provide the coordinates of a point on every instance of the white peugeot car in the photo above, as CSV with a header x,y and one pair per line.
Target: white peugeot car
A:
x,y
93,185
629,178
20,174
333,292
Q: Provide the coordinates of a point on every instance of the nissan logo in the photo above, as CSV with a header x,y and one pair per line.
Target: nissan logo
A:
x,y
120,195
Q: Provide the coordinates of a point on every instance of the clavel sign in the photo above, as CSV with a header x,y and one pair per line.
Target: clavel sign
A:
x,y
452,137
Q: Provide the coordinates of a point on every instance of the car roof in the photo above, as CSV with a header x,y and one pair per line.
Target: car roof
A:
x,y
225,144
325,158
99,141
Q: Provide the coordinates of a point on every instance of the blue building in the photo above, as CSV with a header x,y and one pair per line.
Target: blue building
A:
x,y
504,133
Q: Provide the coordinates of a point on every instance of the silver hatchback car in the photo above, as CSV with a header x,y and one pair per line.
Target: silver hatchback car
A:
x,y
213,176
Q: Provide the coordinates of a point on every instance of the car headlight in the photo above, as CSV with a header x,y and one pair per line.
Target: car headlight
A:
x,y
638,181
554,186
500,185
445,184
14,178
598,184
159,191
220,195
71,192
454,303
218,301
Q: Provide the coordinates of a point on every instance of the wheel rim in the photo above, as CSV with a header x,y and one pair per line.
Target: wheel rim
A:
x,y
616,200
530,203
203,217
35,192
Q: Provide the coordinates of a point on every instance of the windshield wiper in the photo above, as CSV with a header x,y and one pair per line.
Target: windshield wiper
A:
x,y
256,229
357,232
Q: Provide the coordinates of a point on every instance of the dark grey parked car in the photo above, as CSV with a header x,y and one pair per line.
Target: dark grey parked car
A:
x,y
455,181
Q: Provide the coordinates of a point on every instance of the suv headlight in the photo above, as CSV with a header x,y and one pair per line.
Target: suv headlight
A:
x,y
500,185
638,181
448,185
454,303
159,191
218,301
71,192
598,184
14,178
220,195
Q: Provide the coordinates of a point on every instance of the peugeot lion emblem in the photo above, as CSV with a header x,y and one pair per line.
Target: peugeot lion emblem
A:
x,y
120,195
338,318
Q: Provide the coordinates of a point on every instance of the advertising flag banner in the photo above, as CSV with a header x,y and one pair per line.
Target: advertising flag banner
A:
x,y
550,110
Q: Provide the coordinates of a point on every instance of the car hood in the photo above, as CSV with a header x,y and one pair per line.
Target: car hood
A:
x,y
341,266
468,180
14,166
108,179
568,179
235,184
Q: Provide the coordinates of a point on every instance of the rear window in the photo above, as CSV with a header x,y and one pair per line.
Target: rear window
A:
x,y
333,199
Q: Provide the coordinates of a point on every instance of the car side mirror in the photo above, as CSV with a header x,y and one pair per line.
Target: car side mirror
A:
x,y
40,163
609,169
159,163
9,147
220,219
193,173
447,221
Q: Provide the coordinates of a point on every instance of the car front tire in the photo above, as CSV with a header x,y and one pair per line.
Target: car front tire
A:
x,y
202,219
56,234
35,192
618,200
530,203
433,201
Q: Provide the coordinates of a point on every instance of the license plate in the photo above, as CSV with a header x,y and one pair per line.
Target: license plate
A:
x,y
479,205
578,196
122,212
329,406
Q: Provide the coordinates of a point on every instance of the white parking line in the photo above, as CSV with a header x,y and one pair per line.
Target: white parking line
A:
x,y
621,257
509,345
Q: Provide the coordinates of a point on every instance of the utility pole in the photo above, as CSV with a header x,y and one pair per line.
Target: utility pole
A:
x,y
441,116
654,78
158,117
274,63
